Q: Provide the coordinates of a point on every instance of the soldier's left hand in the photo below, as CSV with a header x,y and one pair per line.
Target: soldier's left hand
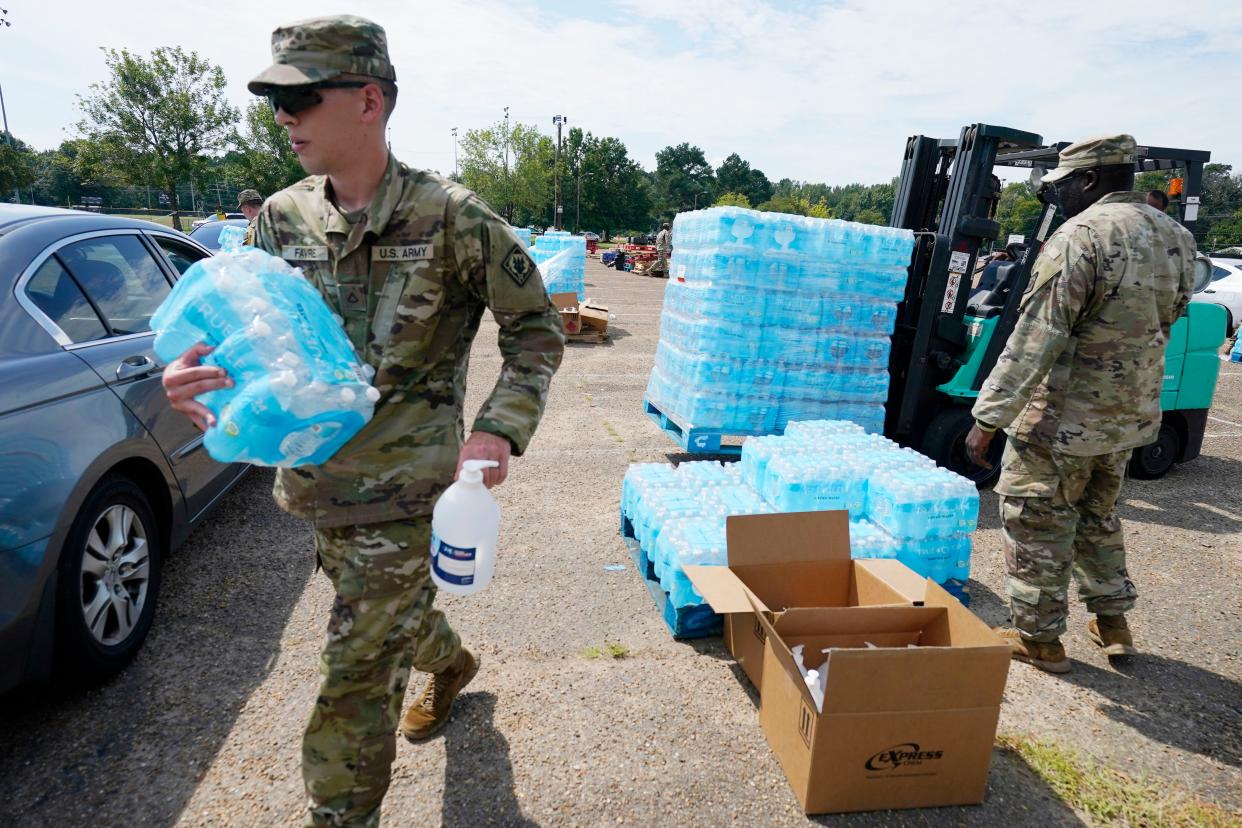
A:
x,y
484,446
977,442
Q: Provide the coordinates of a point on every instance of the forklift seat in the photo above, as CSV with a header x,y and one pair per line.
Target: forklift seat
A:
x,y
988,299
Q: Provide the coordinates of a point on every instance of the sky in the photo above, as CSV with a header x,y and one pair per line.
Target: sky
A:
x,y
814,91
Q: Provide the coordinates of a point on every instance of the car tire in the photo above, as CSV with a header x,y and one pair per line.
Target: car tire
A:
x,y
1153,461
945,442
109,582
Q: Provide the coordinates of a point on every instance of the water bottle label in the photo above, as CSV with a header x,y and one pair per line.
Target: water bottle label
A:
x,y
306,442
452,564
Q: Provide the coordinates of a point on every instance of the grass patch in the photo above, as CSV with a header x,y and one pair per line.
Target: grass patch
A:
x,y
609,650
1109,796
612,432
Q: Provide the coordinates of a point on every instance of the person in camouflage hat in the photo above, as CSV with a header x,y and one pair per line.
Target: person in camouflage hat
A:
x,y
1076,389
664,249
410,261
249,202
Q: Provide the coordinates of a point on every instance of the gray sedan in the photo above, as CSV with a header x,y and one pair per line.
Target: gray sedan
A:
x,y
99,478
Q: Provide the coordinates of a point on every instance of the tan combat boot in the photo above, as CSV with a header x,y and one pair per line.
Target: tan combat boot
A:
x,y
1048,656
430,712
1113,634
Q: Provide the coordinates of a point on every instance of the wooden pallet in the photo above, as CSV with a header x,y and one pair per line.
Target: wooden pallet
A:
x,y
588,337
696,440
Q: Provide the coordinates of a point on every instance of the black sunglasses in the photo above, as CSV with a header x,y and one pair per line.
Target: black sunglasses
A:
x,y
295,99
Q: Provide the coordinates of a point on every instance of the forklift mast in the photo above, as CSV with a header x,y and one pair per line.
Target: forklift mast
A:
x,y
947,196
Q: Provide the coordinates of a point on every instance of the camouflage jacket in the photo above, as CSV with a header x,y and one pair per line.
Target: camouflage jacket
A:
x,y
411,280
664,241
1082,371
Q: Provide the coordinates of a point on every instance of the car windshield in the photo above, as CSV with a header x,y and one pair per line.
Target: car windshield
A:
x,y
208,235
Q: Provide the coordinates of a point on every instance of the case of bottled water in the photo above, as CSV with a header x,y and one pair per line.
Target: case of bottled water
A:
x,y
770,318
523,234
901,505
299,392
561,258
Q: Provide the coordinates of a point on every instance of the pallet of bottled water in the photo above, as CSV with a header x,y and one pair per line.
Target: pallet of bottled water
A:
x,y
523,234
770,318
901,506
561,258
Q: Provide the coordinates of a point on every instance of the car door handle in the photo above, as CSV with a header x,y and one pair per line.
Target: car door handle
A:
x,y
1209,290
135,366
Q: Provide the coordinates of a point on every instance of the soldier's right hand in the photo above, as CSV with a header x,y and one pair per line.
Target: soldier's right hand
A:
x,y
186,377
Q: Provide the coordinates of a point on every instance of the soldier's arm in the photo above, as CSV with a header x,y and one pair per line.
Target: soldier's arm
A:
x,y
496,267
1062,284
262,233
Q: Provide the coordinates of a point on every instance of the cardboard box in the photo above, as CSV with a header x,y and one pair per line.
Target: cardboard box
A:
x,y
594,317
900,727
567,304
796,559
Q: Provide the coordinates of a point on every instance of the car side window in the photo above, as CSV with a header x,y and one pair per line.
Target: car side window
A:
x,y
55,293
1219,273
181,255
121,278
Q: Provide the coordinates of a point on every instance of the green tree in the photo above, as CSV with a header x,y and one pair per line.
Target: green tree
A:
x,y
732,200
19,165
613,188
682,178
510,169
870,215
735,175
263,158
154,120
1017,211
820,209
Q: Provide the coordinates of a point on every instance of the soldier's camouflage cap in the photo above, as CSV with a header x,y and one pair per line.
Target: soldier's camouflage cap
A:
x,y
1093,152
323,48
247,196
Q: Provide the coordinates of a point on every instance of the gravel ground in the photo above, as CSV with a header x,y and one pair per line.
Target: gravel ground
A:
x,y
203,728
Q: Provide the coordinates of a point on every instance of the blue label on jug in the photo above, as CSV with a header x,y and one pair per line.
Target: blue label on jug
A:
x,y
452,564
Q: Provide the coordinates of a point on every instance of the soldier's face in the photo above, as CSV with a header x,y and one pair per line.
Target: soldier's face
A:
x,y
250,211
327,134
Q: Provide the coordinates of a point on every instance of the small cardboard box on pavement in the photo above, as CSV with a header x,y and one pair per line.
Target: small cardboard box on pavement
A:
x,y
571,317
796,559
902,726
594,317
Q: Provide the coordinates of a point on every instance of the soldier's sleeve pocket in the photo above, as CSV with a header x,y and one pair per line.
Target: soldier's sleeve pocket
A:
x,y
1026,593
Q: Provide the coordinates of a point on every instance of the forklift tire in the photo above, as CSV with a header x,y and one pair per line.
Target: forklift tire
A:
x,y
1153,461
945,442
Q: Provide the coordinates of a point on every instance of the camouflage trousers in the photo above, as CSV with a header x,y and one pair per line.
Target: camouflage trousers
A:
x,y
382,623
661,263
1058,519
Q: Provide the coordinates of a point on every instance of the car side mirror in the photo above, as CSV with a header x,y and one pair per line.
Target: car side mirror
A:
x,y
1203,272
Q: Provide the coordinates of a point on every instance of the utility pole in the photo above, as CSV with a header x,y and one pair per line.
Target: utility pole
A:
x,y
455,176
559,121
5,24
508,192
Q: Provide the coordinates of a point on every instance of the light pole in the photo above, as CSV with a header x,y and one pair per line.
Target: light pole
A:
x,y
5,24
696,198
455,176
559,121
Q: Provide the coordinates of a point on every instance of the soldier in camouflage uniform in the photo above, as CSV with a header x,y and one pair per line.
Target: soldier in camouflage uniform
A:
x,y
410,260
249,202
1076,389
664,249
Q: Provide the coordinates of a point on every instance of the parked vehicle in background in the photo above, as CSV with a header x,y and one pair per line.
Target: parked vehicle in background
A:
x,y
197,223
589,236
1225,289
99,478
208,235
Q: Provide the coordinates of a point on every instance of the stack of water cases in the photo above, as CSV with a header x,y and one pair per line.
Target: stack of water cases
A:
x,y
901,506
523,234
770,318
561,258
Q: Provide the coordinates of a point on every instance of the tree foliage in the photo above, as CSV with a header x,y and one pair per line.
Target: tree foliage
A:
x,y
511,169
732,200
615,194
19,164
154,119
263,157
734,175
682,178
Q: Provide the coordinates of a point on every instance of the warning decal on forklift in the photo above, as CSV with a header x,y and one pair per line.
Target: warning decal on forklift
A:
x,y
950,293
958,261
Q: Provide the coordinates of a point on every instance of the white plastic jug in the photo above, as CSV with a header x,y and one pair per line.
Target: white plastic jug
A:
x,y
464,527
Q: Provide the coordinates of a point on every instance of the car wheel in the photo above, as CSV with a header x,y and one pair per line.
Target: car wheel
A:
x,y
945,442
109,581
1153,461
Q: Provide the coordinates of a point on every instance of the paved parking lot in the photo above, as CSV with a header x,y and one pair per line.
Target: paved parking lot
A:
x,y
204,728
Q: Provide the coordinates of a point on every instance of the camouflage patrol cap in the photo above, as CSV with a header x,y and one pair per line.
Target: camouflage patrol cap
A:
x,y
323,48
1093,152
247,196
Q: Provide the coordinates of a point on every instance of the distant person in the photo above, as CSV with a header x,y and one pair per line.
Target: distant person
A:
x,y
250,202
664,249
1158,199
220,215
1077,389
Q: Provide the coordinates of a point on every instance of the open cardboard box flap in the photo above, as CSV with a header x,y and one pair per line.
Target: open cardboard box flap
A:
x,y
957,662
798,559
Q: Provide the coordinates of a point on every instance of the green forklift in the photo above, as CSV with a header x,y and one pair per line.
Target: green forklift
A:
x,y
951,328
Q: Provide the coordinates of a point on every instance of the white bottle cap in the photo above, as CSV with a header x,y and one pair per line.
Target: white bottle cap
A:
x,y
472,470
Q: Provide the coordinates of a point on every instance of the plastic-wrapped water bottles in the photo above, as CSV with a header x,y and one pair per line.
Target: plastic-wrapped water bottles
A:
x,y
523,234
561,259
299,391
788,316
